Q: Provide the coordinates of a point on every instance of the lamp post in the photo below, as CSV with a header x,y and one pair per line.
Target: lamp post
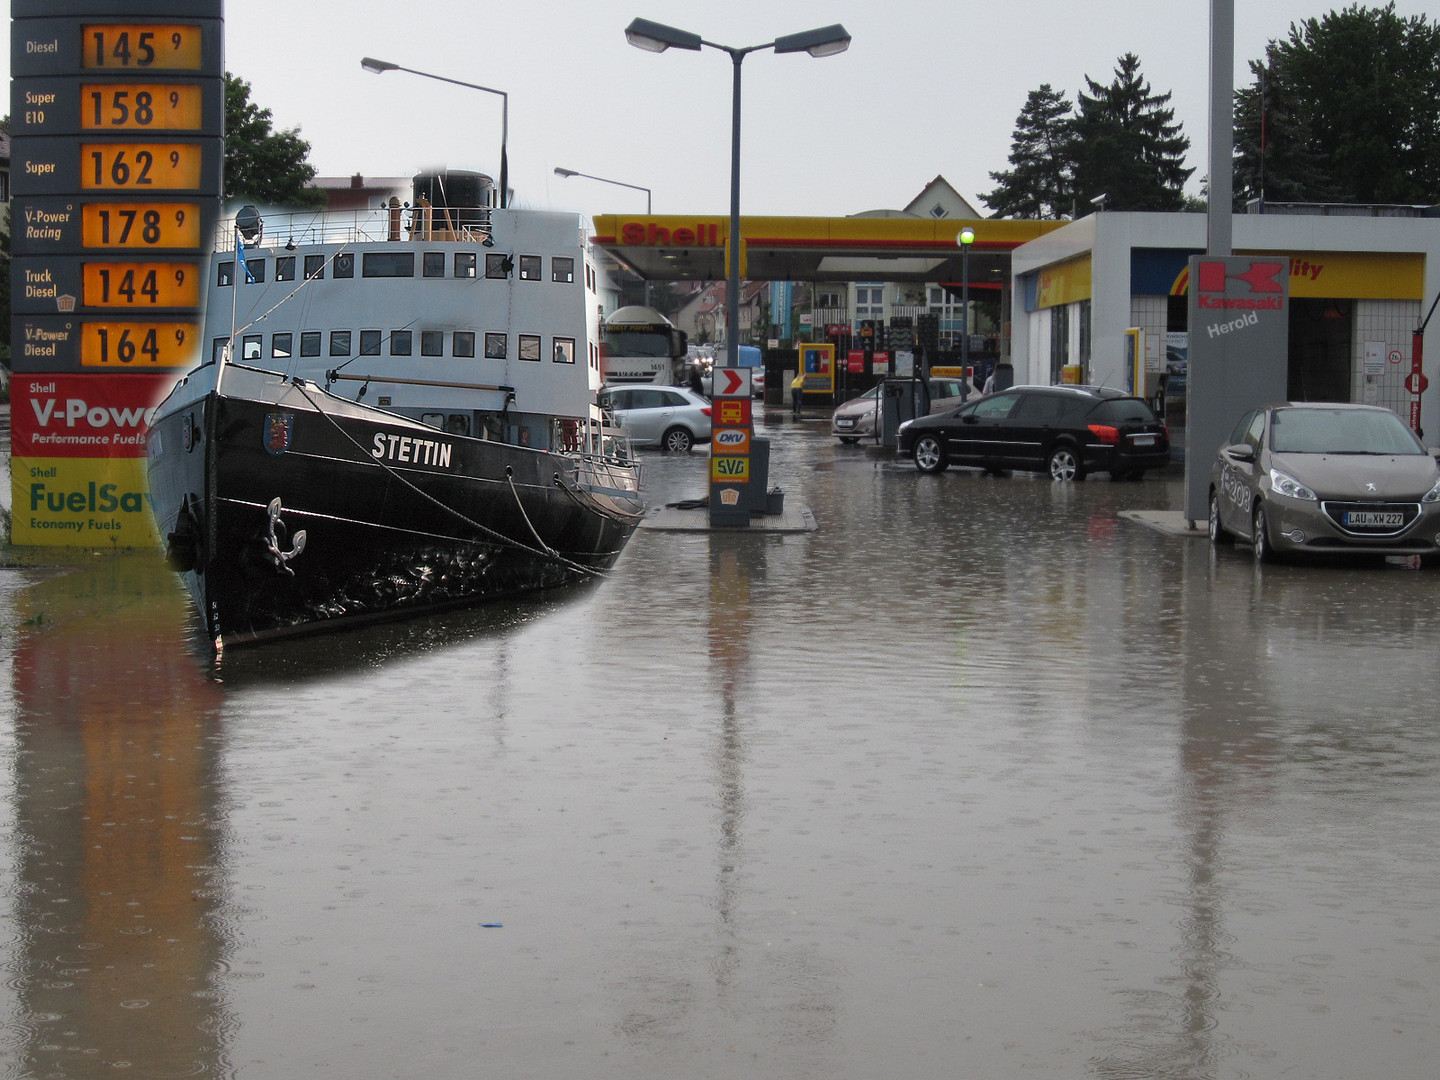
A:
x,y
567,173
965,238
656,37
379,67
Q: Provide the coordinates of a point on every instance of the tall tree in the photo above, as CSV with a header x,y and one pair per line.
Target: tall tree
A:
x,y
262,164
1040,182
1128,146
1353,98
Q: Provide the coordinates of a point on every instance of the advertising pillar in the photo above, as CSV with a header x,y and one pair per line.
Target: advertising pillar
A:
x,y
1239,348
117,124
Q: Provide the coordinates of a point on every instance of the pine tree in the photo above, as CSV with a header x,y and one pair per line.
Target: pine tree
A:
x,y
1128,146
1275,159
1040,182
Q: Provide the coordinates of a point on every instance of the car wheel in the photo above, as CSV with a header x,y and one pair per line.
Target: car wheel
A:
x,y
677,440
1218,536
1064,464
929,454
849,440
1260,536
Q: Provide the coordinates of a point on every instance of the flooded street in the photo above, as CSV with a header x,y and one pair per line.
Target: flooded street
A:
x,y
979,780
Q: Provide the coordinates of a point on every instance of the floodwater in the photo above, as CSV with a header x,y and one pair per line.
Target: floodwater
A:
x,y
979,780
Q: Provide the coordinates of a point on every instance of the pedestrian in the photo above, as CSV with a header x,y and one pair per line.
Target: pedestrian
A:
x,y
989,387
797,393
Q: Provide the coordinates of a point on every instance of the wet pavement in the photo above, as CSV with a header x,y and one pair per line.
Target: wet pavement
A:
x,y
981,778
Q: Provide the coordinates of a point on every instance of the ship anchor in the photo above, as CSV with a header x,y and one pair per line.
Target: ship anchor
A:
x,y
281,559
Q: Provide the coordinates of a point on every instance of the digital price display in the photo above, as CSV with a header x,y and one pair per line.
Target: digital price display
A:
x,y
129,47
122,166
140,225
122,345
140,285
140,106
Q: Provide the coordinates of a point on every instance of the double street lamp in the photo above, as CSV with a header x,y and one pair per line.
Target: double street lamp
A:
x,y
379,67
656,37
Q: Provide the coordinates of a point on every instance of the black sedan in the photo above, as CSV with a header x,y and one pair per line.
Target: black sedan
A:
x,y
1067,431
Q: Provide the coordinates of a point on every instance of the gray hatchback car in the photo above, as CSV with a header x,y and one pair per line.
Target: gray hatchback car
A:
x,y
1325,479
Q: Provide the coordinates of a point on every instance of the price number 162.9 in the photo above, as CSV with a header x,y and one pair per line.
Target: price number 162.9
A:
x,y
153,166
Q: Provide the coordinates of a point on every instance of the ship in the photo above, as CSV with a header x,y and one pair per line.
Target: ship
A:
x,y
395,412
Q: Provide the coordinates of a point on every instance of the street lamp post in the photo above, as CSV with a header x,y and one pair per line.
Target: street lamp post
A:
x,y
379,67
656,37
965,238
567,173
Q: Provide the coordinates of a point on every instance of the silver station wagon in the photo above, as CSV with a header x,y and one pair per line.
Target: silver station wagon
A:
x,y
1326,479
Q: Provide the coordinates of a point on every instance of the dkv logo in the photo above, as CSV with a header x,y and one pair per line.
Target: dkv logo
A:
x,y
731,438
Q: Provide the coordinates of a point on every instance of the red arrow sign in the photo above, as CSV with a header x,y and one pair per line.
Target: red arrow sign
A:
x,y
730,383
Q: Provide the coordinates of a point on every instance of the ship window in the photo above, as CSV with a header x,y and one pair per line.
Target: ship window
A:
x,y
530,347
339,342
285,268
256,269
433,264
433,419
225,274
251,346
457,424
498,266
529,267
562,270
564,350
344,264
464,344
217,349
432,343
280,346
399,342
369,342
384,264
465,264
314,267
495,346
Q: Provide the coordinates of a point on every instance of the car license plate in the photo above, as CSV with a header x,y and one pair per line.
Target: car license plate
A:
x,y
1363,519
845,422
1144,440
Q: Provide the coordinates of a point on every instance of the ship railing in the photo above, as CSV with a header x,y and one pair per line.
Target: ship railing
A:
x,y
376,224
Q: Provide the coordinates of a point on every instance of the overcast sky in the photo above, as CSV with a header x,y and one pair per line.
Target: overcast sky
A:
x,y
928,87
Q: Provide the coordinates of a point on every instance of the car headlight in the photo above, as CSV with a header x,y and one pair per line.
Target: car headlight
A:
x,y
1433,495
1285,484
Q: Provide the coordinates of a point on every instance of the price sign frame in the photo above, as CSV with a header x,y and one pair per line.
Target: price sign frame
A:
x,y
109,266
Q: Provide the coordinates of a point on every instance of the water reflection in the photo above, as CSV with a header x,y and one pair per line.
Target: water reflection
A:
x,y
116,847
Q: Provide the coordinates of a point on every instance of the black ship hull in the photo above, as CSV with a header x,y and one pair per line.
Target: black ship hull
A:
x,y
289,511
